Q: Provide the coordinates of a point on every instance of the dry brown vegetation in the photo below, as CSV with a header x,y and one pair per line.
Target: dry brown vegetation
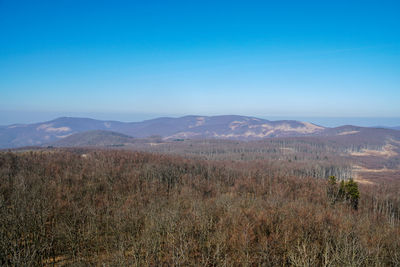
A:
x,y
90,207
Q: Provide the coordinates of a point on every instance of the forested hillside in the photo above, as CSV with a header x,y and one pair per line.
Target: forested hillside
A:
x,y
90,207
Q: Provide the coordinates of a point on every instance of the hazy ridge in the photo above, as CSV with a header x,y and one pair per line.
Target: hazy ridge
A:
x,y
232,127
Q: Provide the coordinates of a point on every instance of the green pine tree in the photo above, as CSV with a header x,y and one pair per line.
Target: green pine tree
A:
x,y
352,193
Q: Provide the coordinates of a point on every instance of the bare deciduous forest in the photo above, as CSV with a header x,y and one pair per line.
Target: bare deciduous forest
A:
x,y
243,204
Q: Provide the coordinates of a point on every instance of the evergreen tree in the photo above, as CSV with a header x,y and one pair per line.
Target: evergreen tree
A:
x,y
352,193
347,191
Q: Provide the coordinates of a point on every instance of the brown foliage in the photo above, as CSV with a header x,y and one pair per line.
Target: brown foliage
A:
x,y
81,207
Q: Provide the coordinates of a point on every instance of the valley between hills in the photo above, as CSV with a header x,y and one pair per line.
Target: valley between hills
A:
x,y
212,191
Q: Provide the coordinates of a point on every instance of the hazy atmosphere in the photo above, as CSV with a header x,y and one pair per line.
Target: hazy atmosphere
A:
x,y
199,133
328,62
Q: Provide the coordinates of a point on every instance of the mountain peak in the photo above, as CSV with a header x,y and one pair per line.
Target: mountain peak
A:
x,y
192,126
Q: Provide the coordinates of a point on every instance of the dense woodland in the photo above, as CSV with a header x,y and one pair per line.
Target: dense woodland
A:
x,y
82,207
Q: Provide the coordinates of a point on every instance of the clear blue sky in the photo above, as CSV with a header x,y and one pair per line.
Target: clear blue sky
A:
x,y
132,60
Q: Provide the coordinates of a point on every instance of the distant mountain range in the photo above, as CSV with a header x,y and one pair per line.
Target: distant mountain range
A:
x,y
84,131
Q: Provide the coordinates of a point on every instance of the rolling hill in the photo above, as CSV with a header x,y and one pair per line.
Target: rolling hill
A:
x,y
94,138
91,132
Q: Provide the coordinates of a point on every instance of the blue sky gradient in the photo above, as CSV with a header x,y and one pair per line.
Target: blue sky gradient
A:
x,y
135,60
